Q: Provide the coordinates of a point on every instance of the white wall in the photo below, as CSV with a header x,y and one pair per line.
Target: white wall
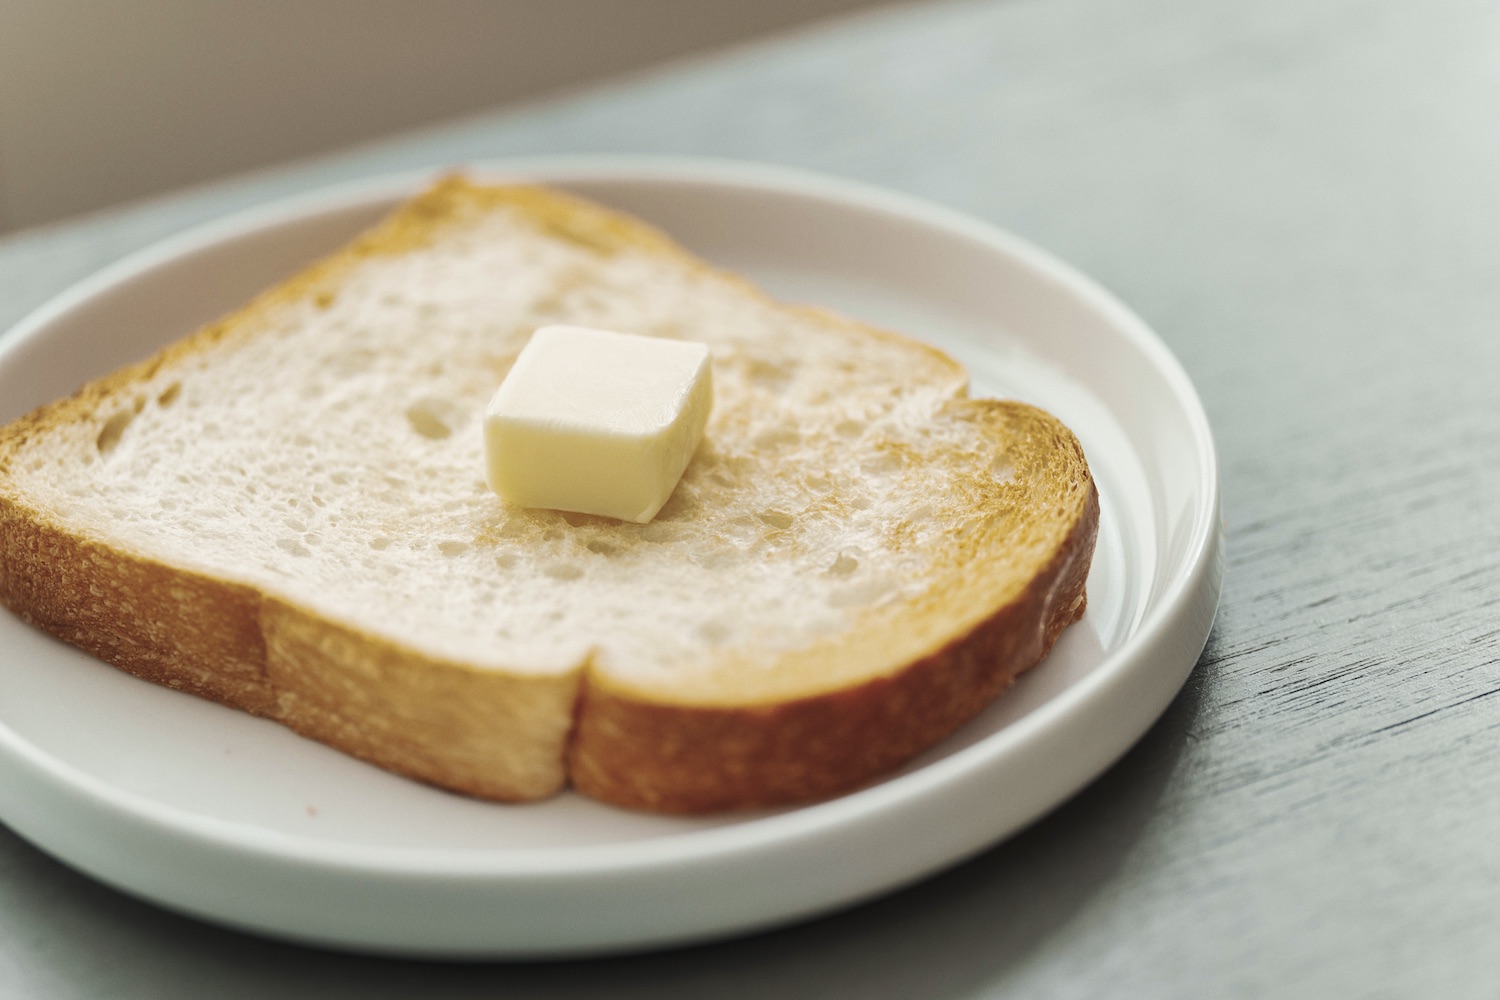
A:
x,y
102,101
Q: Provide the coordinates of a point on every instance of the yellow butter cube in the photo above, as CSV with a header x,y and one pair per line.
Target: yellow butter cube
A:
x,y
597,422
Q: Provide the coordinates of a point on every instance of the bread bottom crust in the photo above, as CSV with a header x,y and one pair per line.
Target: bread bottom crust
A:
x,y
689,759
228,643
180,630
483,733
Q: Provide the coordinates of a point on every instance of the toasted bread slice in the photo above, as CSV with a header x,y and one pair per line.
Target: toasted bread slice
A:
x,y
286,512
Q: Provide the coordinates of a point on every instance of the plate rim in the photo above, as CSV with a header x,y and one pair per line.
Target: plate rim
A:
x,y
1198,579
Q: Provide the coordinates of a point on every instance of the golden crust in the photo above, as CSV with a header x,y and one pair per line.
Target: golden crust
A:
x,y
483,732
512,736
177,628
648,754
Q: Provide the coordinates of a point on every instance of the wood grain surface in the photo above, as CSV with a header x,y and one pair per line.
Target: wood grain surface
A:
x,y
1303,198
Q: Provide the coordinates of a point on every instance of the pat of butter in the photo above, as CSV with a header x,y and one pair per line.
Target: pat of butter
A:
x,y
597,422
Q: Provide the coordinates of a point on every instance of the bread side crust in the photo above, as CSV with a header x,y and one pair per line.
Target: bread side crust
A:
x,y
488,733
180,629
646,754
483,732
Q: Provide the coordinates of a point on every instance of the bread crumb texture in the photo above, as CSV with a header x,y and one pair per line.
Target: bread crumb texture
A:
x,y
286,512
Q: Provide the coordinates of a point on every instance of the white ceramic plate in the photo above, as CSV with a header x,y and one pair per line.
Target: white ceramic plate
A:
x,y
234,819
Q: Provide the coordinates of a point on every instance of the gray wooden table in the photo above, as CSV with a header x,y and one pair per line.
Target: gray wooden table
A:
x,y
1303,198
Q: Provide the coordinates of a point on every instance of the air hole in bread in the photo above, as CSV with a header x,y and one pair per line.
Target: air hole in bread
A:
x,y
434,419
849,428
169,395
112,431
453,548
600,547
380,543
294,524
563,571
776,518
769,376
845,563
1002,470
293,546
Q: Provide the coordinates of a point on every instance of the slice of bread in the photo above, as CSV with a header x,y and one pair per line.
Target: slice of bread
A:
x,y
286,512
